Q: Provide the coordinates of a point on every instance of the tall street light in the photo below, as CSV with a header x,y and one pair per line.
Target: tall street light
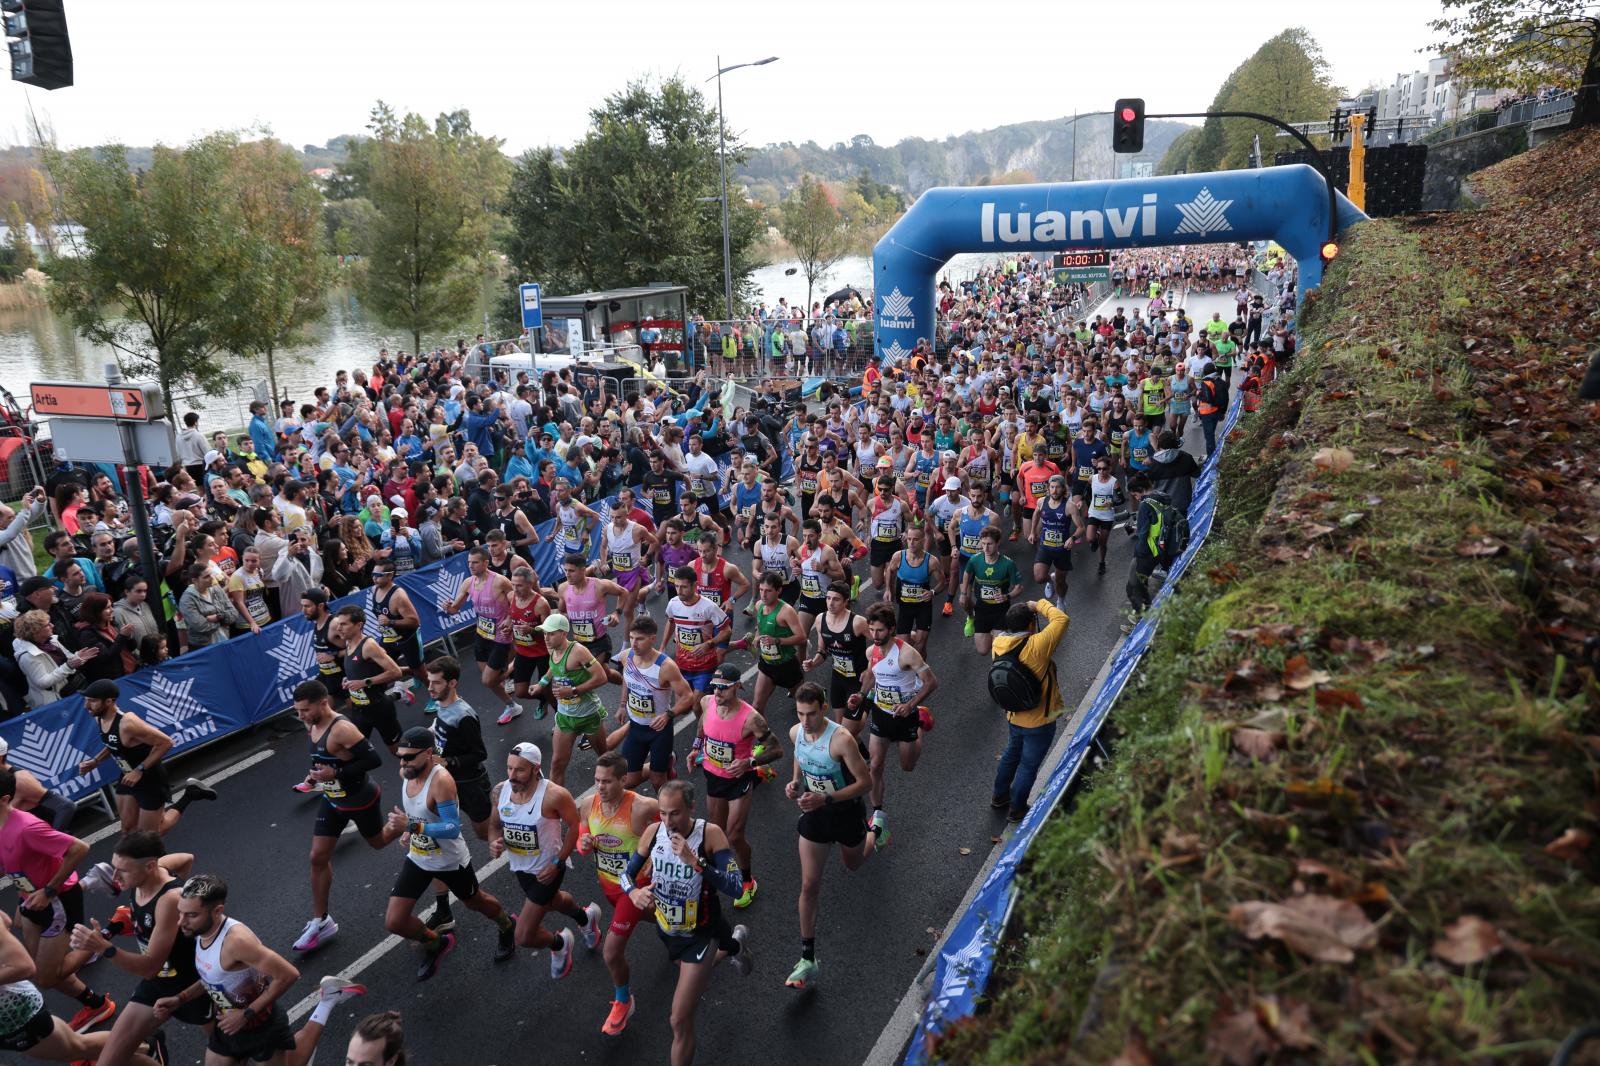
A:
x,y
722,159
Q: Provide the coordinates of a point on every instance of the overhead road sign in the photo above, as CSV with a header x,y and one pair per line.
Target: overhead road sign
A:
x,y
125,403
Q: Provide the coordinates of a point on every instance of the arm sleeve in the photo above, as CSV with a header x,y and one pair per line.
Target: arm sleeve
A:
x,y
363,760
635,864
448,827
723,873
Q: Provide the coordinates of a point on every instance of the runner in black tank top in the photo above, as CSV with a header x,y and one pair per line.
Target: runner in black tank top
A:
x,y
331,672
371,708
131,757
845,649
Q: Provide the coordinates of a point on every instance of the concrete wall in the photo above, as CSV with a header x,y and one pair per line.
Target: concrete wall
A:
x,y
1450,162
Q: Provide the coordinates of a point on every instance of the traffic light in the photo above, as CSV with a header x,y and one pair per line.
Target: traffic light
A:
x,y
1127,126
1329,250
36,35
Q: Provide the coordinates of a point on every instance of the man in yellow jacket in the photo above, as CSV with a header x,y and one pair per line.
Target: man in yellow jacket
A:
x,y
1032,731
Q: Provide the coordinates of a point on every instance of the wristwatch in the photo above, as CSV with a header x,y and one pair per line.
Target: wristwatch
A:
x,y
250,1015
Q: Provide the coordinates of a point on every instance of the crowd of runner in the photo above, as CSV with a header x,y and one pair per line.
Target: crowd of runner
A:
x,y
1024,423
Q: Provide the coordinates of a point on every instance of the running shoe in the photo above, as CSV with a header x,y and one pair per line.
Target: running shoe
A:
x,y
765,773
433,955
749,895
308,787
318,931
431,707
512,712
156,1047
89,1017
584,743
925,719
337,990
441,920
101,878
561,959
879,828
621,1014
855,586
121,923
739,645
507,944
745,961
1050,591
804,974
591,928
970,628
949,608
198,790
539,711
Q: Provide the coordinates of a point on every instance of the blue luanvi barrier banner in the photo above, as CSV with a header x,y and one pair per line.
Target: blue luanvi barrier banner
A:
x,y
962,969
213,691
1287,204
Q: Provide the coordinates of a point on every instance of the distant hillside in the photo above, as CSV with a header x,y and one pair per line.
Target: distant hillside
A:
x,y
1025,151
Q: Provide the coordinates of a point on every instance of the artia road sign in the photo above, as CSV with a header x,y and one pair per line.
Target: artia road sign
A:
x,y
129,403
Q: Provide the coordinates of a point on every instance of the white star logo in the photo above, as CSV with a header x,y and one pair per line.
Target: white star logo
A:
x,y
1204,215
894,353
293,653
51,755
445,587
896,305
168,702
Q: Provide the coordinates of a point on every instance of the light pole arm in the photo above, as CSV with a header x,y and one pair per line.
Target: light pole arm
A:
x,y
1319,161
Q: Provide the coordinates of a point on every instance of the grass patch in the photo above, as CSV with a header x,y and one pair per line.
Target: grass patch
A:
x,y
1366,700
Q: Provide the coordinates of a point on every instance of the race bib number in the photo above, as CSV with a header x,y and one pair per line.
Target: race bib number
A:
x,y
769,649
1102,501
612,864
24,886
389,635
915,593
697,486
823,784
690,637
486,628
424,845
887,699
811,585
719,752
677,917
844,665
641,706
583,629
523,634
359,697
714,595
218,1000
621,562
991,593
1054,538
970,544
885,531
1084,472
521,840
123,764
809,486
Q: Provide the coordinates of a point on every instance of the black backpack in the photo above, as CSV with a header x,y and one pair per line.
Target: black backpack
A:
x,y
1012,685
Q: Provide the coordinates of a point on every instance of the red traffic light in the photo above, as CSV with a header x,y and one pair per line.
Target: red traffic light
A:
x,y
1128,114
1330,249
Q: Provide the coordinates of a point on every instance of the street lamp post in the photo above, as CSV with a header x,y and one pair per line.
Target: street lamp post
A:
x,y
722,165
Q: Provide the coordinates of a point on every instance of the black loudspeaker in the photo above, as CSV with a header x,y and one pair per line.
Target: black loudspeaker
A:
x,y
41,53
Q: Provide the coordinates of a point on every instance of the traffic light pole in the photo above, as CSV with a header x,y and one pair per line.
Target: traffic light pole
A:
x,y
1320,162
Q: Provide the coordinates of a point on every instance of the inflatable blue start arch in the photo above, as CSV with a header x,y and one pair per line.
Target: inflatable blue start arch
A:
x,y
1284,204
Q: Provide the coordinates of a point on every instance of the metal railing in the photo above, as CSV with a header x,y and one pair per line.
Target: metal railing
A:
x,y
798,351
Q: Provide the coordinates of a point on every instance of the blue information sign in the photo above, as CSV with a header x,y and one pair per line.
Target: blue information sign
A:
x,y
532,312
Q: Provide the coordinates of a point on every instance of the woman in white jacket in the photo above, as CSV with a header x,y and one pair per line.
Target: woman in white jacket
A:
x,y
50,667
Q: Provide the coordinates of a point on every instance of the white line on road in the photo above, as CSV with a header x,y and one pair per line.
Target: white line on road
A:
x,y
488,870
221,775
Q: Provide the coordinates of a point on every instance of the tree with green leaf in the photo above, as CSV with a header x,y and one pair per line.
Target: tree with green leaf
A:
x,y
1287,78
284,286
433,188
155,275
1526,45
22,256
631,202
815,231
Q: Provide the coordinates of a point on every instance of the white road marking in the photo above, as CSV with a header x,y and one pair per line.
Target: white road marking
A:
x,y
486,871
221,775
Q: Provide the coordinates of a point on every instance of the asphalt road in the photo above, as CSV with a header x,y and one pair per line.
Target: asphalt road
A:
x,y
875,928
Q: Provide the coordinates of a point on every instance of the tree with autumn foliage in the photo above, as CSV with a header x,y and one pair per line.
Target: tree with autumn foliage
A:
x,y
1526,45
815,231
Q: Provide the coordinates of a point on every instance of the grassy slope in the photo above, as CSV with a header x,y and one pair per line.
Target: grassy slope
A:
x,y
1427,776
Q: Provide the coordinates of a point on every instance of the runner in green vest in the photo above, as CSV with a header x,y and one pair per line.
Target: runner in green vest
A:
x,y
1155,394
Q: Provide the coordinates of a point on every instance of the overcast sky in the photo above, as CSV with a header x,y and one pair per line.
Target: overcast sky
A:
x,y
529,70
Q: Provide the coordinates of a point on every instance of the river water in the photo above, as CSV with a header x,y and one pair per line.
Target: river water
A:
x,y
36,345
